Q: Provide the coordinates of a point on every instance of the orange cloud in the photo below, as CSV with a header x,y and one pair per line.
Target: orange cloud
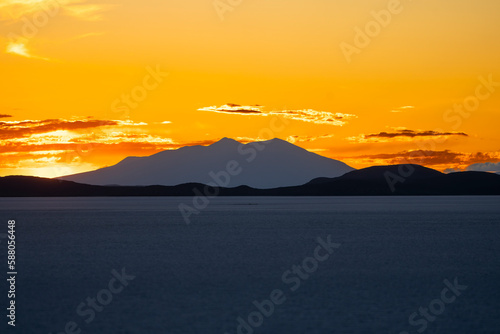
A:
x,y
19,129
441,160
56,147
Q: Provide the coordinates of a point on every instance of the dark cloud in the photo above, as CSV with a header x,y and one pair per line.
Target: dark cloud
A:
x,y
240,111
411,133
425,157
5,116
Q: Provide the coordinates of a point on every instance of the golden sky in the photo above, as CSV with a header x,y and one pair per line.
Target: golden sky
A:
x,y
86,83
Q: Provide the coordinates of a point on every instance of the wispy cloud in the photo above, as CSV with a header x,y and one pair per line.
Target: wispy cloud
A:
x,y
402,109
19,48
26,128
291,139
299,139
87,35
15,9
401,135
317,117
89,12
64,153
317,149
25,11
55,147
304,115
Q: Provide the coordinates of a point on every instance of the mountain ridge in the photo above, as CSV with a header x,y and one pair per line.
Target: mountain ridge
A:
x,y
423,182
266,164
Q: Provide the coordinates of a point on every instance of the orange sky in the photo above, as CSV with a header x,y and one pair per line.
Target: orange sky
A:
x,y
86,83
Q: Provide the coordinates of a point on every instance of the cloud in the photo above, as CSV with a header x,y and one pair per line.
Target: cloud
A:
x,y
442,160
291,139
232,108
115,143
246,140
317,117
5,116
402,109
317,149
295,138
19,48
90,12
426,157
56,147
304,115
16,9
485,167
401,134
51,158
20,129
30,13
130,123
31,136
82,36
411,133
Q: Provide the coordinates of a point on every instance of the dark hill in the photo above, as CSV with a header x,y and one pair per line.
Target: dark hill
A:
x,y
372,181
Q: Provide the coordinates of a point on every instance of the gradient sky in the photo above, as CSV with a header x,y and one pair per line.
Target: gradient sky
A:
x,y
86,83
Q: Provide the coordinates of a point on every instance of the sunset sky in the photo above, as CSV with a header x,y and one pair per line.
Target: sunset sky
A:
x,y
86,83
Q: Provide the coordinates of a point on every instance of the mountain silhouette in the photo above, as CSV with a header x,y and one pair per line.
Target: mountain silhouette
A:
x,y
227,163
408,179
